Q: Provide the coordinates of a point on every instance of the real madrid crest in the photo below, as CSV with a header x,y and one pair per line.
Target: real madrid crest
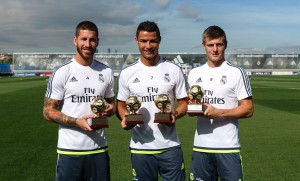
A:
x,y
167,78
223,80
101,78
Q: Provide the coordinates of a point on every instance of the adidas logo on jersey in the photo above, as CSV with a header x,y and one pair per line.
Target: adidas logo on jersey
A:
x,y
136,80
73,79
199,79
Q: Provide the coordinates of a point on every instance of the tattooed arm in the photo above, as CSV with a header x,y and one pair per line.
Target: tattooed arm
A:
x,y
52,114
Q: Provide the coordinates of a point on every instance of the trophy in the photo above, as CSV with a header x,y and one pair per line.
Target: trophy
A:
x,y
132,106
162,102
195,94
98,106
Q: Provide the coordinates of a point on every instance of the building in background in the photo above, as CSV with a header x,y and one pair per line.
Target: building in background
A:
x,y
42,64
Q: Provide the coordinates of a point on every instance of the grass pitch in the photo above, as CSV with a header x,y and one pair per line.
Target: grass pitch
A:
x,y
270,139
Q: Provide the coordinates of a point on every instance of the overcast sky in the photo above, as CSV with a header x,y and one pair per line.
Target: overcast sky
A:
x,y
49,25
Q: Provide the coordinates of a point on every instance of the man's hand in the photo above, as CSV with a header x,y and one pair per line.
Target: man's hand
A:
x,y
124,125
83,122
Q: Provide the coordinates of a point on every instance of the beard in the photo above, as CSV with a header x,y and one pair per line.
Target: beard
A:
x,y
86,56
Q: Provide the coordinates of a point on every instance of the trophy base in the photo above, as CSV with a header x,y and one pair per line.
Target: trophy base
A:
x,y
99,122
163,118
194,109
133,119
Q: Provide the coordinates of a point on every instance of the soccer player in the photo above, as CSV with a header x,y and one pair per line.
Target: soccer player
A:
x,y
227,97
82,151
155,147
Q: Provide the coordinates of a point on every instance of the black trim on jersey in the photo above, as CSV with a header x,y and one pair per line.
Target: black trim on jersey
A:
x,y
49,89
245,78
117,112
98,61
123,70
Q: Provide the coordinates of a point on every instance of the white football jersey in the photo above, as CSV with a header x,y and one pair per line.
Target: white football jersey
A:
x,y
223,87
146,82
77,86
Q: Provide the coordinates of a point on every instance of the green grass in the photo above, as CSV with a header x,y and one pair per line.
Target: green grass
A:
x,y
270,139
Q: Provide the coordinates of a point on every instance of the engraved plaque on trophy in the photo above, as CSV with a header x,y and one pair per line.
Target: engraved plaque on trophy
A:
x,y
162,102
98,106
132,106
195,94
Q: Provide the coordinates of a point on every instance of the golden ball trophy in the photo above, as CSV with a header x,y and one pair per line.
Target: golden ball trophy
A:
x,y
195,94
98,107
133,104
162,102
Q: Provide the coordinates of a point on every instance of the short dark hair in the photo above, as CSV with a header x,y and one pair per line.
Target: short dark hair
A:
x,y
149,26
86,25
213,32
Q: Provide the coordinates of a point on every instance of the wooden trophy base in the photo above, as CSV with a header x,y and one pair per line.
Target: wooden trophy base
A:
x,y
163,118
133,119
99,122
